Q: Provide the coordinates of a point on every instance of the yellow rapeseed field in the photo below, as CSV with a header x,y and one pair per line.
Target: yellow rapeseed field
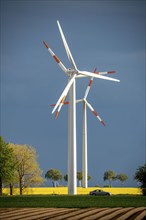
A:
x,y
64,191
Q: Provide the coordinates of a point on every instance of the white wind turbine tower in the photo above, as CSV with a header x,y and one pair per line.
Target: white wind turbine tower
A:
x,y
72,74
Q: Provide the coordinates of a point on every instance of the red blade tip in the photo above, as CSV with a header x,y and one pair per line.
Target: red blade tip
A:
x,y
56,116
109,72
95,70
103,123
46,45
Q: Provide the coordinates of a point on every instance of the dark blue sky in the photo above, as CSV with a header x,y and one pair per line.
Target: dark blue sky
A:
x,y
109,35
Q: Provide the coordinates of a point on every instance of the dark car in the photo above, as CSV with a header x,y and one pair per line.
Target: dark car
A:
x,y
99,192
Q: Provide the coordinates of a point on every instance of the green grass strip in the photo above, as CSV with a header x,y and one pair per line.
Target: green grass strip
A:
x,y
70,201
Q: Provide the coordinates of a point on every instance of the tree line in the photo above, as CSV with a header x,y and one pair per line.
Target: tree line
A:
x,y
109,175
55,175
19,168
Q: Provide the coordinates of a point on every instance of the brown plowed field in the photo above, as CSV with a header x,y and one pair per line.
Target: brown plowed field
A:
x,y
73,214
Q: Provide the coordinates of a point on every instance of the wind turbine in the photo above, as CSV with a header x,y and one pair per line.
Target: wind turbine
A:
x,y
72,74
84,128
84,133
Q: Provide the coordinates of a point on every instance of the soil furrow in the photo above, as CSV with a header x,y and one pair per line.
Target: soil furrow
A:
x,y
104,212
24,213
78,214
130,213
15,212
55,214
116,214
141,215
91,214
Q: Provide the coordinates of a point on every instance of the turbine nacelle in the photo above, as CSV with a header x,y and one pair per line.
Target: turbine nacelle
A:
x,y
71,71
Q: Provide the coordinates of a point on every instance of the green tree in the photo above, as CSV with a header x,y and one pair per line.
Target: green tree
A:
x,y
80,177
140,176
109,175
27,171
122,177
66,178
53,175
6,163
89,177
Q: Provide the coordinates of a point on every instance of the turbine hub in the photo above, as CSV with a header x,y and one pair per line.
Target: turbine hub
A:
x,y
71,72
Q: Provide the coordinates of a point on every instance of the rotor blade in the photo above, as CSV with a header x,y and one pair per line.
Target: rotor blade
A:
x,y
79,100
108,72
64,103
66,47
89,85
55,57
80,76
65,91
100,73
97,76
60,106
95,113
